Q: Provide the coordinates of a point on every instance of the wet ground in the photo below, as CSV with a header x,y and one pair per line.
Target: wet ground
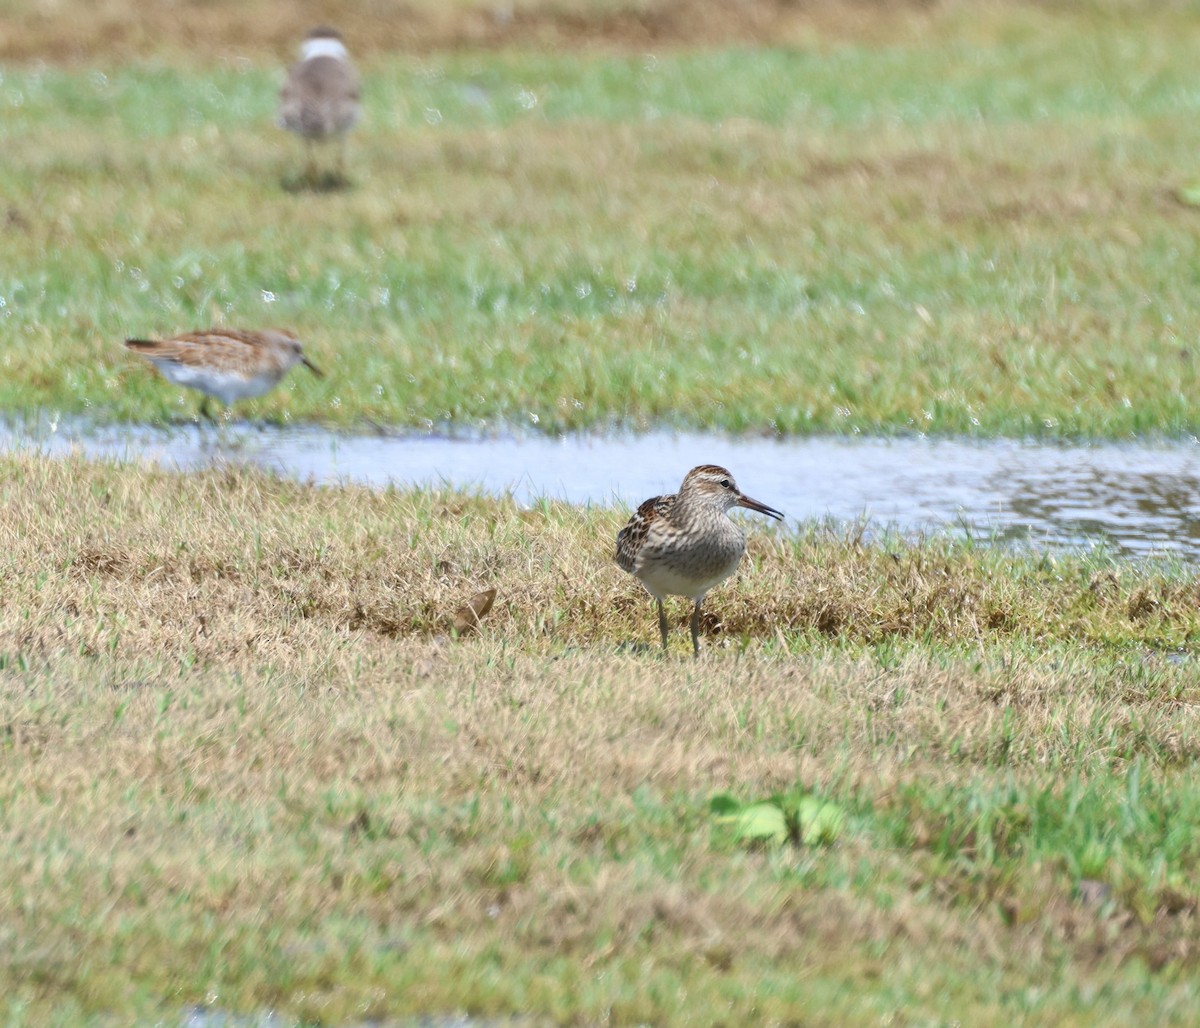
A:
x,y
1137,497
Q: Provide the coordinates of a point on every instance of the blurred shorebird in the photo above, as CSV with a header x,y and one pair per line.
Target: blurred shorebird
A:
x,y
225,363
685,543
320,100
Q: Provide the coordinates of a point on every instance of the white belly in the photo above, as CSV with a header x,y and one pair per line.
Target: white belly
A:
x,y
223,385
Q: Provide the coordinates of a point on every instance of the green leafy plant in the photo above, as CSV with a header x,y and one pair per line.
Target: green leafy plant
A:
x,y
796,816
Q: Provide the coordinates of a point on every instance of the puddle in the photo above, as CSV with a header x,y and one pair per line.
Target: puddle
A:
x,y
1139,498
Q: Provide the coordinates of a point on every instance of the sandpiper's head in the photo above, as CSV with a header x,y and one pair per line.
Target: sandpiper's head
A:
x,y
289,342
714,485
323,41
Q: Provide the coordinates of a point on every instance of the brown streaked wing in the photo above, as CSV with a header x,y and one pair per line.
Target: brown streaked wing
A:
x,y
633,535
231,347
222,337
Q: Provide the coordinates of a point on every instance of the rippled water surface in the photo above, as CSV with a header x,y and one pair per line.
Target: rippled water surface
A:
x,y
1138,497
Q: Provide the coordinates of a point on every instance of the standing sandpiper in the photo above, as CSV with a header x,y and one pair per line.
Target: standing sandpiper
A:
x,y
225,363
320,99
685,543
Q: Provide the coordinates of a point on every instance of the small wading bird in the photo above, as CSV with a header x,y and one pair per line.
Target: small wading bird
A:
x,y
320,99
684,544
225,363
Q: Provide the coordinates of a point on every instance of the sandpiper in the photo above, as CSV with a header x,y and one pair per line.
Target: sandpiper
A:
x,y
225,363
685,543
320,99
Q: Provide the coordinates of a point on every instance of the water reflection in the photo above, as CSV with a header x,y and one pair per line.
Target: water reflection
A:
x,y
1137,497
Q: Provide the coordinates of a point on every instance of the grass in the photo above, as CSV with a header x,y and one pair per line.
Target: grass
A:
x,y
249,767
977,218
249,764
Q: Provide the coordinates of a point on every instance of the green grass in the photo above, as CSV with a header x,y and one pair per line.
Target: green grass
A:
x,y
245,765
969,232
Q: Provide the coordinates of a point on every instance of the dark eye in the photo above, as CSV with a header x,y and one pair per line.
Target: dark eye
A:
x,y
726,484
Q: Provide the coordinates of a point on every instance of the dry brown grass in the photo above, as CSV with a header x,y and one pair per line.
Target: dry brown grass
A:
x,y
231,566
244,765
77,30
69,30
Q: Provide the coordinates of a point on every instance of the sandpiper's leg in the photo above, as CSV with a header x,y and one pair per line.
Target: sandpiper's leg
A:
x,y
341,161
310,161
662,625
696,628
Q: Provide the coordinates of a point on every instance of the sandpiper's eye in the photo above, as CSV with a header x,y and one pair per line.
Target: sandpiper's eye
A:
x,y
726,484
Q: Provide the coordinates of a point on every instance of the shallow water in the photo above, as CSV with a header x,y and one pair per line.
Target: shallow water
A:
x,y
1138,497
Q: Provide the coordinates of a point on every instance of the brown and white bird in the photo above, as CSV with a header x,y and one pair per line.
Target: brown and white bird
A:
x,y
225,363
320,101
686,543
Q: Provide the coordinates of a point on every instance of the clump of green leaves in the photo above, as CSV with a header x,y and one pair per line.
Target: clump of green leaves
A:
x,y
797,817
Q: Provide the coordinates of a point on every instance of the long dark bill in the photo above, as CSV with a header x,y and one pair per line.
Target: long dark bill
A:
x,y
762,508
312,367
